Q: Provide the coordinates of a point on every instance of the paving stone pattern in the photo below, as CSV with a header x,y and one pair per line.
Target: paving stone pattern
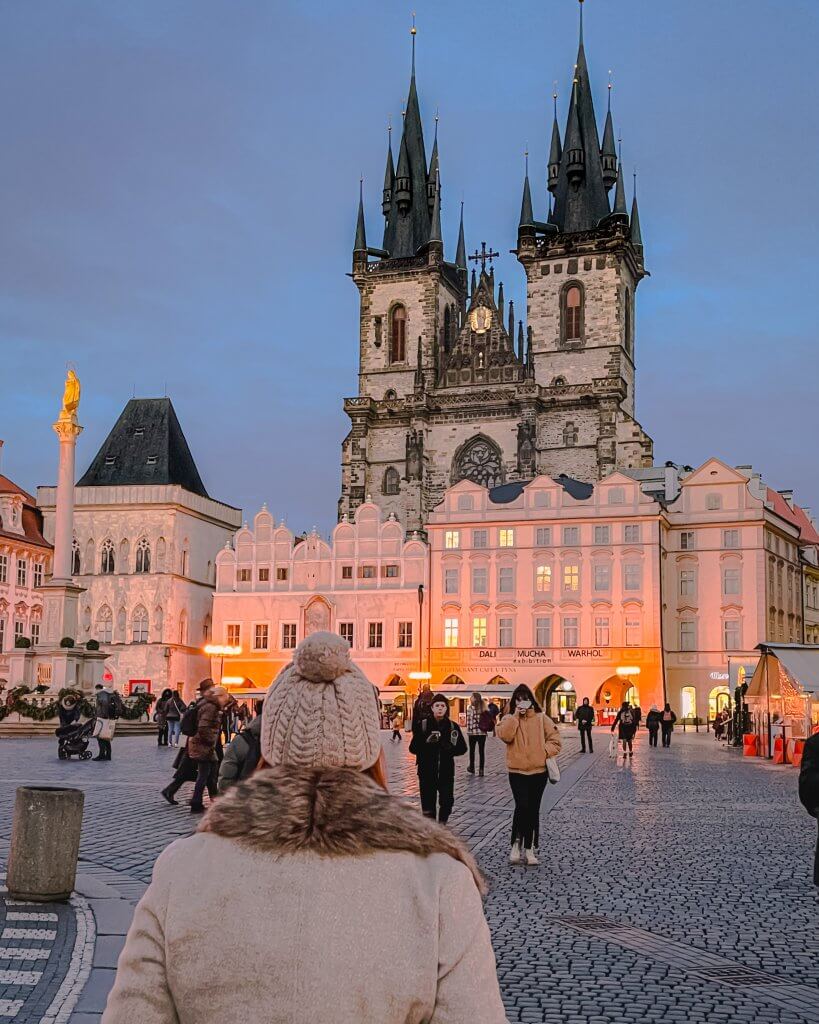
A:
x,y
675,887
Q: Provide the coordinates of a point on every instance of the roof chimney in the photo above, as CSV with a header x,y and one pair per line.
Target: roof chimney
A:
x,y
788,496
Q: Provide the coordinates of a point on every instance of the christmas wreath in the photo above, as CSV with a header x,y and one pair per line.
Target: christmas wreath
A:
x,y
43,709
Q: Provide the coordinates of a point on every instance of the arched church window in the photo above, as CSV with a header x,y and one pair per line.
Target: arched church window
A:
x,y
398,335
570,435
105,625
143,556
139,626
90,560
392,481
75,558
107,561
478,460
572,313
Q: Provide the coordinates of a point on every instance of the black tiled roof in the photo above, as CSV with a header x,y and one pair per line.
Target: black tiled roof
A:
x,y
146,446
505,493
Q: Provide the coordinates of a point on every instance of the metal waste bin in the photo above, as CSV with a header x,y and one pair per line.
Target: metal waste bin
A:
x,y
45,843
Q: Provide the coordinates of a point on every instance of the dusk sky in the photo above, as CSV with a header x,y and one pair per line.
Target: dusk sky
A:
x,y
178,190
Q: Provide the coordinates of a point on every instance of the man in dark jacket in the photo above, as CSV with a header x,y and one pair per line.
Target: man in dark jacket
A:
x,y
653,721
242,755
107,710
584,716
185,768
436,742
421,707
809,789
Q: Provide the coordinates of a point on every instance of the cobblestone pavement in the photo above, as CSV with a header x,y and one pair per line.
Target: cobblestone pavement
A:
x,y
675,887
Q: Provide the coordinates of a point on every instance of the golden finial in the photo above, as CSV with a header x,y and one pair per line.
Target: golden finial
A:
x,y
413,33
609,88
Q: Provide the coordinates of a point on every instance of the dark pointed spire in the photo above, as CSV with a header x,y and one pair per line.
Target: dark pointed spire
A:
x,y
608,153
511,321
576,155
500,302
620,194
636,234
389,176
460,252
527,217
530,356
433,178
520,340
403,192
555,151
474,285
435,225
360,245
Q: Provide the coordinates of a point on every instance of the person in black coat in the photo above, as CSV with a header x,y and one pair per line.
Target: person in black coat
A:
x,y
667,720
809,789
653,720
584,716
436,742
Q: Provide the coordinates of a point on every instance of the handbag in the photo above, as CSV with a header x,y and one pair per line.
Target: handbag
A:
x,y
613,745
552,769
104,729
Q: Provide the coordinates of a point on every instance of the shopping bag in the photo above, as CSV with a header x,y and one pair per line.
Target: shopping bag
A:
x,y
613,745
552,769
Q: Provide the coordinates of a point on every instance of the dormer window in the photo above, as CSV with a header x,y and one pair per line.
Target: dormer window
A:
x,y
151,460
110,461
139,432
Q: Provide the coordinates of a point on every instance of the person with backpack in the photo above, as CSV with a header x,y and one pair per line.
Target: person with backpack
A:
x,y
626,725
422,706
653,720
242,755
108,708
161,718
174,710
584,716
185,768
436,742
531,739
667,724
479,722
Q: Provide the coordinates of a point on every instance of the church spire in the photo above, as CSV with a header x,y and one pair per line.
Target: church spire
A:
x,y
460,252
360,245
555,150
620,194
433,177
527,217
435,226
389,176
636,234
608,153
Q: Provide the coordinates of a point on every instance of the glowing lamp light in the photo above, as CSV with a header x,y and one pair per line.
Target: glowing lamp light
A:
x,y
221,650
232,680
420,675
627,670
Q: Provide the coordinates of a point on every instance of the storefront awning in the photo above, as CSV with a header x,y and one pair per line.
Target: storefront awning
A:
x,y
799,660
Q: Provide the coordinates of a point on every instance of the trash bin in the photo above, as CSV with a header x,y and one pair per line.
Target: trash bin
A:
x,y
45,843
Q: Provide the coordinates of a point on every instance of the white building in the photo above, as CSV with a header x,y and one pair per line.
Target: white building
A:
x,y
146,539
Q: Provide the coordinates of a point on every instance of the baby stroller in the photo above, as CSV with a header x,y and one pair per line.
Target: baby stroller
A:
x,y
73,739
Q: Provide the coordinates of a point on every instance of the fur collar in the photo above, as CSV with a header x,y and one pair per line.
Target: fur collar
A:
x,y
337,812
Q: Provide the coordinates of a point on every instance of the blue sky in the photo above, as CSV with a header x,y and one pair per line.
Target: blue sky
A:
x,y
178,185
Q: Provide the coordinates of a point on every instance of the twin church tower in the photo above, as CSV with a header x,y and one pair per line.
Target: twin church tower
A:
x,y
450,386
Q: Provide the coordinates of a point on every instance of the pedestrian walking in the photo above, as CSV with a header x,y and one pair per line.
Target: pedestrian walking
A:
x,y
436,742
242,756
186,769
161,717
422,706
479,722
107,709
291,862
626,725
202,745
667,720
638,716
653,720
397,724
174,711
531,738
584,716
809,790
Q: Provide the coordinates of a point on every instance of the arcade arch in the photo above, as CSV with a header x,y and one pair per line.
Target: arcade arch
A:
x,y
557,696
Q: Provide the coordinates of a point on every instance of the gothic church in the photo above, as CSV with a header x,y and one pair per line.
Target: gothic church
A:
x,y
450,387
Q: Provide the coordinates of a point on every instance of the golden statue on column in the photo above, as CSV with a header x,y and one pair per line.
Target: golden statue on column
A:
x,y
71,397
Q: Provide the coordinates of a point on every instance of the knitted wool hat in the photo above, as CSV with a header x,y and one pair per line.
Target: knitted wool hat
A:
x,y
321,711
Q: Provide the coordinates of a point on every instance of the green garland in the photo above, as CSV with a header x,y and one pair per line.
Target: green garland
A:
x,y
133,708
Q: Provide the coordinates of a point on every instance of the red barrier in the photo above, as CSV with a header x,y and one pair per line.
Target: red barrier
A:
x,y
750,745
796,756
779,751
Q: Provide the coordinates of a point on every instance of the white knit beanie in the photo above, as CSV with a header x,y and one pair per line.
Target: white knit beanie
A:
x,y
321,711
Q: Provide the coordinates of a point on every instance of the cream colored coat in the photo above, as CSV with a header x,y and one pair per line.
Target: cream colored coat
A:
x,y
529,739
312,897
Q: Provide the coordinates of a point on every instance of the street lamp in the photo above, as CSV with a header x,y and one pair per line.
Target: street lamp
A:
x,y
221,651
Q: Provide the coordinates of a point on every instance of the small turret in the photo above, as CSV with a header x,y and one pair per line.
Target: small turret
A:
x,y
636,234
500,302
520,340
389,177
360,244
436,242
527,217
433,177
575,155
620,209
555,154
460,252
511,320
403,192
608,153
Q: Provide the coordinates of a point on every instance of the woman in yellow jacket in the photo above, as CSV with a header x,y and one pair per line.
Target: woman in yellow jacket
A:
x,y
530,737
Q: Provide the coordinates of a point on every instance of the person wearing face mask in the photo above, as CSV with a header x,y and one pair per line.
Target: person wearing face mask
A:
x,y
531,738
436,742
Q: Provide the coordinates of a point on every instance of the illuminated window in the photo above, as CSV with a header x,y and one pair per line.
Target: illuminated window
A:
x,y
506,632
479,632
571,578
543,579
543,632
602,631
506,538
450,632
571,631
405,634
398,335
688,701
452,539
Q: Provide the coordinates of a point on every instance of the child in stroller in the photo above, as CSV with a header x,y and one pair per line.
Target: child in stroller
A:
x,y
72,736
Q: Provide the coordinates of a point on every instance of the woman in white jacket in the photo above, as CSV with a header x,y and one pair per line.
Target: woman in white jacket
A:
x,y
285,877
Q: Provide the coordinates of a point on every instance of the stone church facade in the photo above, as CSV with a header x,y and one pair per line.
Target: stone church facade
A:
x,y
451,387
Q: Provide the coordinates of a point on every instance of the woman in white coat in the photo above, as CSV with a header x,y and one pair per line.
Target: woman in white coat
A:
x,y
283,884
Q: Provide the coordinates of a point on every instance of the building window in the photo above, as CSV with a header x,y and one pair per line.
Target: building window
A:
x,y
543,632
602,631
366,572
631,534
35,633
543,536
398,335
4,568
571,578
570,435
632,576
107,558
392,481
105,625
480,579
572,313
389,572
730,538
506,580
233,634
261,636
687,540
688,635
731,635
543,579
22,572
2,635
346,572
602,578
243,575
602,535
479,631
143,556
38,574
571,536
282,575
404,634
184,562
571,631
347,631
713,502
139,626
730,581
452,579
480,539
506,538
375,635
450,632
288,636
633,638
506,632
688,582
19,629
264,575
452,539
466,503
